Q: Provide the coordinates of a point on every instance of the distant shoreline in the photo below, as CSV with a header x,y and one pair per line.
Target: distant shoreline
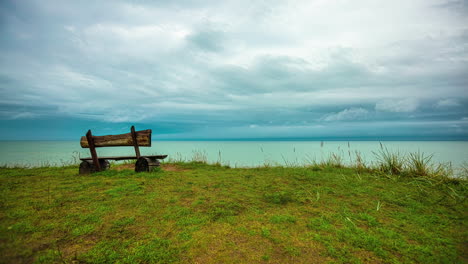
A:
x,y
264,140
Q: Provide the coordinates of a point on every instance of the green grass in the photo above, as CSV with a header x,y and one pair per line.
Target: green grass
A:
x,y
200,213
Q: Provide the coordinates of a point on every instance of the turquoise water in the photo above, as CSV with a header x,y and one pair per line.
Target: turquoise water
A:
x,y
233,153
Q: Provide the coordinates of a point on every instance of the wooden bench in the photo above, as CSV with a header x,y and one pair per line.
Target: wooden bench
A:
x,y
136,139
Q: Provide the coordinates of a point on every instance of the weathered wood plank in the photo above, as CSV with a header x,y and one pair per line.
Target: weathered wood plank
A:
x,y
143,140
126,157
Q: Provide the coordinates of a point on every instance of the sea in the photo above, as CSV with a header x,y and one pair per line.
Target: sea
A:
x,y
236,153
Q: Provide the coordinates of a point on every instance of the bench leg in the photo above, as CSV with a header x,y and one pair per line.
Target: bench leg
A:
x,y
144,164
87,166
105,164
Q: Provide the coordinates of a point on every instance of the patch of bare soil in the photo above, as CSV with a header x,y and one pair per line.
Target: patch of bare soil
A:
x,y
120,167
172,167
131,166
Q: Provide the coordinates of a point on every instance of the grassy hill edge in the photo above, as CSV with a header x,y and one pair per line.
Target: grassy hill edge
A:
x,y
191,212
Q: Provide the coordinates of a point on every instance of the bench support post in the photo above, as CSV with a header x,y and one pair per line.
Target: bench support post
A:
x,y
92,149
135,142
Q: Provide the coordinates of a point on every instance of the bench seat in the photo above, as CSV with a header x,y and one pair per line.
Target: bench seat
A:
x,y
126,157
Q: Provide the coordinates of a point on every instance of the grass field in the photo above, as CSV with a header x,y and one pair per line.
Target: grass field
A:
x,y
198,213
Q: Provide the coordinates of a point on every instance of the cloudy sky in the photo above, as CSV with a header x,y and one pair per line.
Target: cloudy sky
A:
x,y
312,69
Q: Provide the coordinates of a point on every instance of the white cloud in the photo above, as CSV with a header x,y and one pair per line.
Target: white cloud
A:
x,y
347,115
138,41
445,103
398,106
13,115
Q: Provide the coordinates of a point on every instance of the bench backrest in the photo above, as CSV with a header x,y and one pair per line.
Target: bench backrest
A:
x,y
134,138
143,139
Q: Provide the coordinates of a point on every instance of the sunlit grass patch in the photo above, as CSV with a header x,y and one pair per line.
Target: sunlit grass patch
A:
x,y
154,251
125,190
278,197
223,209
279,219
83,230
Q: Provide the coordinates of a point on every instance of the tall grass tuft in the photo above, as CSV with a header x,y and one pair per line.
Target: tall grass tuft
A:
x,y
419,164
443,170
220,160
334,160
389,162
176,158
360,164
463,171
199,156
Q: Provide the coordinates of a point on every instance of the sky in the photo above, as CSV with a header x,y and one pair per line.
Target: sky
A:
x,y
213,70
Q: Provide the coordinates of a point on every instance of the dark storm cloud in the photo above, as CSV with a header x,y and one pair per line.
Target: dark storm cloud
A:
x,y
239,69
